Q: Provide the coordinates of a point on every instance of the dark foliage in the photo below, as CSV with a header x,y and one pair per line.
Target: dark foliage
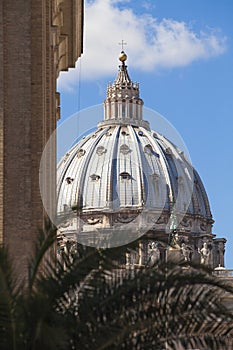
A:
x,y
85,302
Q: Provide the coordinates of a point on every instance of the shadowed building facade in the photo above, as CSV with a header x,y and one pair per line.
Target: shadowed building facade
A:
x,y
38,39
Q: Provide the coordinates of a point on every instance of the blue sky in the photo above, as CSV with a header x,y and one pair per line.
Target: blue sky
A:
x,y
181,53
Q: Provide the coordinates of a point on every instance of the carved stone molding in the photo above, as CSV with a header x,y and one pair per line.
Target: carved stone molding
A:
x,y
159,221
67,30
93,220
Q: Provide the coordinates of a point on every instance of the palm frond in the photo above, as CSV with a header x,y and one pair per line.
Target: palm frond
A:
x,y
45,241
89,301
9,291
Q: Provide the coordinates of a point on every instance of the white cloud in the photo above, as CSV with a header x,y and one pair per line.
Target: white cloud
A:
x,y
151,44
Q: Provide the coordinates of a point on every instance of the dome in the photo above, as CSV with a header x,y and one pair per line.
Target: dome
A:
x,y
125,166
124,173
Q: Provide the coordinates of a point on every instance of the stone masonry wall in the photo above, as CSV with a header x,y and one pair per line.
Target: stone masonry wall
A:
x,y
29,66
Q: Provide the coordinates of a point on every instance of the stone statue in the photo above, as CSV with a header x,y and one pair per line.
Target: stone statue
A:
x,y
131,257
174,240
127,257
186,252
205,254
153,254
221,251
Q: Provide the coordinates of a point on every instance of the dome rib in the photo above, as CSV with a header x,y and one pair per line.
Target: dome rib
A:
x,y
123,76
141,188
110,194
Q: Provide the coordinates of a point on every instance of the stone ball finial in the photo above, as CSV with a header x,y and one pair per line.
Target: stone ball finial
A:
x,y
122,56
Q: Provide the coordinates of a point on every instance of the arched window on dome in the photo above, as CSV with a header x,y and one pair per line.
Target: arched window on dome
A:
x,y
123,109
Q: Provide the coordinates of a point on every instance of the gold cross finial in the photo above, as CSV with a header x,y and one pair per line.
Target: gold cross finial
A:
x,y
122,44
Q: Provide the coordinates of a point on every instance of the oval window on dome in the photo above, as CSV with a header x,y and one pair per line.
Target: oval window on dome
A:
x,y
168,150
124,133
94,177
69,180
80,153
140,133
125,176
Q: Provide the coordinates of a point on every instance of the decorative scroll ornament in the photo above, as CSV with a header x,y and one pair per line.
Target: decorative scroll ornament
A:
x,y
148,150
125,218
124,149
65,223
187,223
94,220
158,221
66,157
162,220
155,177
101,150
203,226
